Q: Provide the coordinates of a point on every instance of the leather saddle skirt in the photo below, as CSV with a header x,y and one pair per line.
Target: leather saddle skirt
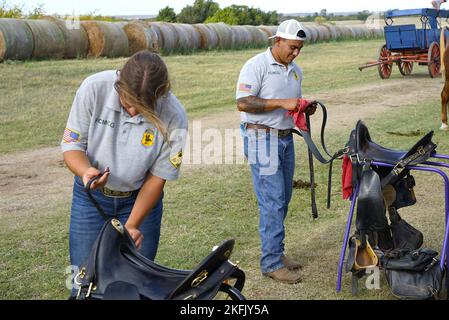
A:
x,y
115,269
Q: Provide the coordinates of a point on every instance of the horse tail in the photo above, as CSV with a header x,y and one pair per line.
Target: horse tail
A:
x,y
442,50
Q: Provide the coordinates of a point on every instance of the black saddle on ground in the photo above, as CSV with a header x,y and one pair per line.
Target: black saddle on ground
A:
x,y
116,270
360,143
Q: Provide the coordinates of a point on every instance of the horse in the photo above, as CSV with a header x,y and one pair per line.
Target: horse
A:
x,y
445,92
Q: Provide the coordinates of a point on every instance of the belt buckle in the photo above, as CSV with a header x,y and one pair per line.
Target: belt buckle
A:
x,y
116,194
284,133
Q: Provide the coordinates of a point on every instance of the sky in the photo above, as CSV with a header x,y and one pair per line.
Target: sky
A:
x,y
149,7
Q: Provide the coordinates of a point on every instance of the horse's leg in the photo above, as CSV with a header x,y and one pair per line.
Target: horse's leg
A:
x,y
444,101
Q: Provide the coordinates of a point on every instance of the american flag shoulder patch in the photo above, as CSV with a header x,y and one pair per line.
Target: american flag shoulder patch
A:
x,y
243,87
71,136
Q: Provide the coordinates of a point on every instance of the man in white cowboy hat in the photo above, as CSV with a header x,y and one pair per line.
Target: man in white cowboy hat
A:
x,y
268,88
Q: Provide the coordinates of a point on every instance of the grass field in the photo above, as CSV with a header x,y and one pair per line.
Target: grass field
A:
x,y
209,203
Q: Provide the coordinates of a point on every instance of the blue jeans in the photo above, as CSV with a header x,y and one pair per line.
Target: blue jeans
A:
x,y
272,162
86,222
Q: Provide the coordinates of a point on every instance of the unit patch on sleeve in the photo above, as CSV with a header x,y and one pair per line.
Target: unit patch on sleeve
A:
x,y
176,161
148,138
71,136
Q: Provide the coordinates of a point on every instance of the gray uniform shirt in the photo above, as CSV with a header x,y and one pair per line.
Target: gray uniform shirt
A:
x,y
262,76
131,147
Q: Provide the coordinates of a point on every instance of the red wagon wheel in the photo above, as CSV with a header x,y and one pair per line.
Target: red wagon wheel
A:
x,y
433,60
384,68
405,67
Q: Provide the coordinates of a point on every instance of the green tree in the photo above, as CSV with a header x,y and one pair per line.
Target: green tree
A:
x,y
37,12
323,13
363,15
199,12
6,11
243,15
166,14
226,15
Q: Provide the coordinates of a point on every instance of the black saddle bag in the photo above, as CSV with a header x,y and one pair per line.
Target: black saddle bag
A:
x,y
404,235
414,274
116,270
405,196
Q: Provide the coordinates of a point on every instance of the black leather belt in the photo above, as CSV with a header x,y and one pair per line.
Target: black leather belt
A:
x,y
116,194
281,133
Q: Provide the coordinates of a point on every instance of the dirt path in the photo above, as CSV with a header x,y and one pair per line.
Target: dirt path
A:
x,y
32,179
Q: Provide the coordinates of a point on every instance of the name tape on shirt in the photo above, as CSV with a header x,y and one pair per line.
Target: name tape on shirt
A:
x,y
148,138
243,87
176,161
71,136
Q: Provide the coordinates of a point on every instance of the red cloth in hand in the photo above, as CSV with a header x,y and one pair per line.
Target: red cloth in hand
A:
x,y
298,116
346,177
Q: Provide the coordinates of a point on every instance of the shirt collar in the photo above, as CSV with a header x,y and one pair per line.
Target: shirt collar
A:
x,y
273,61
270,57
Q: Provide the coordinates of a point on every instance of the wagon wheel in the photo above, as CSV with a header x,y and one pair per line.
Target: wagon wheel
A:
x,y
433,60
405,67
384,68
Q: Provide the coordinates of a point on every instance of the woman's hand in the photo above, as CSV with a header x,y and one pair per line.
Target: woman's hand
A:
x,y
92,173
136,235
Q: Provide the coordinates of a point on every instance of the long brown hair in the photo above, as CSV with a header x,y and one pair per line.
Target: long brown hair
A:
x,y
141,82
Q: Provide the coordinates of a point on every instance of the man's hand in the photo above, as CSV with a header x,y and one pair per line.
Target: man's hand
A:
x,y
289,104
92,173
307,106
311,108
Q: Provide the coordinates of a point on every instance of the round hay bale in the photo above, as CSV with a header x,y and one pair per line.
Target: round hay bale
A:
x,y
154,45
188,37
354,32
168,36
372,32
360,32
49,41
106,39
323,33
140,37
347,32
16,40
258,37
368,32
224,33
76,42
208,36
332,30
241,37
326,32
158,33
378,32
311,32
340,32
267,30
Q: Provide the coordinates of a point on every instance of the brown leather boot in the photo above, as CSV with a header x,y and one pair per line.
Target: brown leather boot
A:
x,y
285,276
290,264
